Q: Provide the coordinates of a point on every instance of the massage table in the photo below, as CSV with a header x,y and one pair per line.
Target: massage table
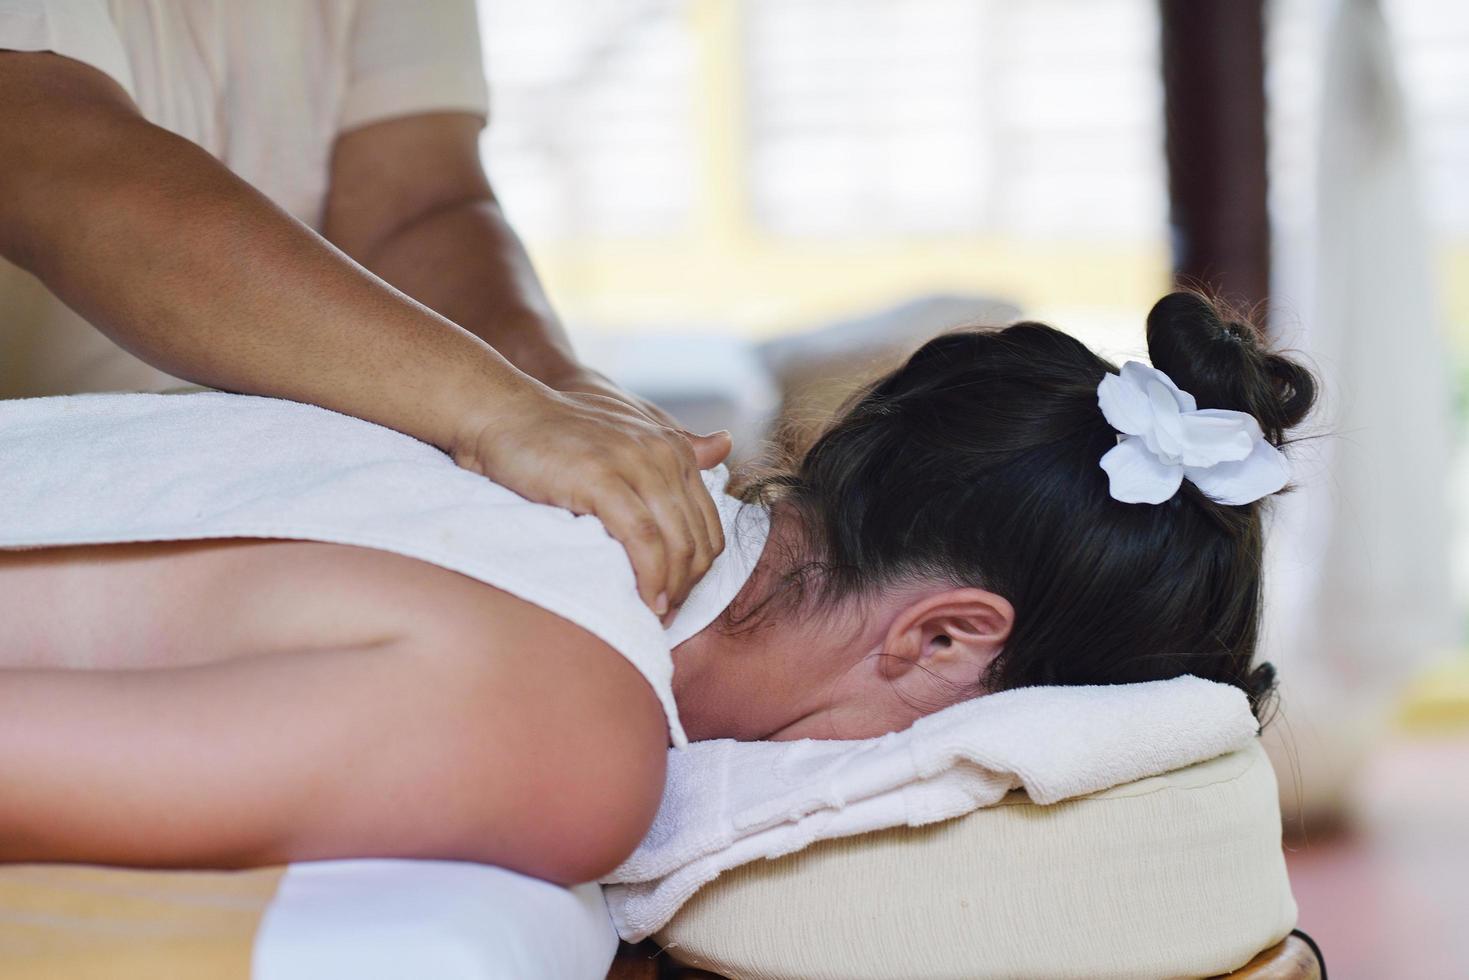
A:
x,y
1175,875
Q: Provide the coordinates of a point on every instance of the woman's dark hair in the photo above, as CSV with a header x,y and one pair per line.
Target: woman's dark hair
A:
x,y
977,462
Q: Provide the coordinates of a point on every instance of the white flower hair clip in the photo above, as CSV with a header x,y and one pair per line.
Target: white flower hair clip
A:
x,y
1164,437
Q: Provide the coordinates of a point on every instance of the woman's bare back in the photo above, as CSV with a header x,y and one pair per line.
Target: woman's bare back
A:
x,y
237,702
175,603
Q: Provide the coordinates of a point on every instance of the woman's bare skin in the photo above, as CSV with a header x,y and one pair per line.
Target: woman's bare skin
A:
x,y
248,702
235,703
176,603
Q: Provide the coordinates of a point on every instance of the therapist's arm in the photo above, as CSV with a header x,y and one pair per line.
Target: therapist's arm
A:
x,y
190,268
409,199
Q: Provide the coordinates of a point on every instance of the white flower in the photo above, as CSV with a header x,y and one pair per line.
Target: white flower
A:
x,y
1165,437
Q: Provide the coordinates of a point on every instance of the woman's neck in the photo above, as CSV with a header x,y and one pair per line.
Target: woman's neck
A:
x,y
759,678
719,670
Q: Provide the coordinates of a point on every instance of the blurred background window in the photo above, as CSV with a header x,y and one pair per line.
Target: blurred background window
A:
x,y
592,131
951,117
762,166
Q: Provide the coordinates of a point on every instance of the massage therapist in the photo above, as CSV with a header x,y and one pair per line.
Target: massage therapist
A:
x,y
286,199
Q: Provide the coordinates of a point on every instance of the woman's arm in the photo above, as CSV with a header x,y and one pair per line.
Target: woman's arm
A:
x,y
187,266
546,761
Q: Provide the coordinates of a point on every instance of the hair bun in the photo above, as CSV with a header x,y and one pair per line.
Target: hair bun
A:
x,y
1222,358
1259,686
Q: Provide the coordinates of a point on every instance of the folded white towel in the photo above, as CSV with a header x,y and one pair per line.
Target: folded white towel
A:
x,y
727,802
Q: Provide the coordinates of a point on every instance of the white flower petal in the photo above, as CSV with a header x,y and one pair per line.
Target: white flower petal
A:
x,y
1124,405
1217,436
1264,471
1139,374
1250,423
1136,476
1166,437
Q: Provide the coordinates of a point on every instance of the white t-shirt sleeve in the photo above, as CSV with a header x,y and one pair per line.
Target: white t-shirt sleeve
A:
x,y
79,29
406,58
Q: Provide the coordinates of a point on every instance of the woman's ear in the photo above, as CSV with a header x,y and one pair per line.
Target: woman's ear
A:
x,y
950,636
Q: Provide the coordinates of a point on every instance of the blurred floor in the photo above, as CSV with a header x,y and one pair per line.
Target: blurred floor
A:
x,y
1389,898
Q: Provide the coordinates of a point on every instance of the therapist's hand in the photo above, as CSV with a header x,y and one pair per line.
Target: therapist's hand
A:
x,y
584,381
601,455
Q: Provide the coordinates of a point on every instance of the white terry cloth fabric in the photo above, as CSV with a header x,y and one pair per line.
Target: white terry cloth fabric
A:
x,y
98,469
727,803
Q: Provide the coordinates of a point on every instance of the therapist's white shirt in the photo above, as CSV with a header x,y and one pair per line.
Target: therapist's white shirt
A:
x,y
263,85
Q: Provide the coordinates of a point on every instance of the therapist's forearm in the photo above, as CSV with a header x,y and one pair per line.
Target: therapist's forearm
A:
x,y
187,266
465,262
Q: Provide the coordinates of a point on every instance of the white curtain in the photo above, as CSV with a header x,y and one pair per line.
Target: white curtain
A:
x,y
1359,584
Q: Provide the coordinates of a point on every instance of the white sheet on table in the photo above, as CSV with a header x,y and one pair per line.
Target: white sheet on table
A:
x,y
450,920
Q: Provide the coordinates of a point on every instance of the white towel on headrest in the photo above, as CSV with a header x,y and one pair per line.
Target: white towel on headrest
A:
x,y
727,803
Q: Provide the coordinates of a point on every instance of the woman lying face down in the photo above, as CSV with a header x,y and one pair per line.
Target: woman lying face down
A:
x,y
231,703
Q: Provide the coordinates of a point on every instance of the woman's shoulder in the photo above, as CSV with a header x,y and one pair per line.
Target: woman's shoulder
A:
x,y
581,727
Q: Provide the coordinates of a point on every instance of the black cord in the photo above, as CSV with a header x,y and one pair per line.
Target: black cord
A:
x,y
1314,948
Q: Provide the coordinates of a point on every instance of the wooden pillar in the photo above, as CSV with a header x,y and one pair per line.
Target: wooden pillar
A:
x,y
1214,101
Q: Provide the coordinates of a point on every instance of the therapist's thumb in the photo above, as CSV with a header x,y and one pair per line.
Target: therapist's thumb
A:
x,y
711,450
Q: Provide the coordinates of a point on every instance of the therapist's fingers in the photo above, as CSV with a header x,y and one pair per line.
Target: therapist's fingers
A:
x,y
687,538
693,535
681,546
676,504
710,450
705,525
707,451
713,528
627,517
594,454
